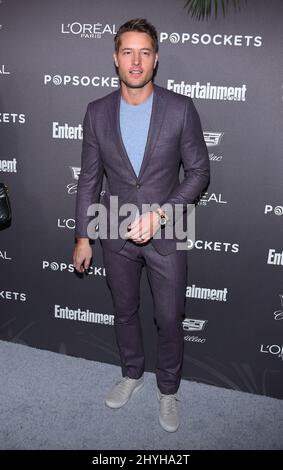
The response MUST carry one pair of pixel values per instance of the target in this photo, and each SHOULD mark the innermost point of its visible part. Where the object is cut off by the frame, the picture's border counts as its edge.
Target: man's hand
(144, 228)
(82, 255)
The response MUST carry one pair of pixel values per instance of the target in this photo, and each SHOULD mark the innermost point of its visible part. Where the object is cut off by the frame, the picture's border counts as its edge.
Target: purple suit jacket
(175, 137)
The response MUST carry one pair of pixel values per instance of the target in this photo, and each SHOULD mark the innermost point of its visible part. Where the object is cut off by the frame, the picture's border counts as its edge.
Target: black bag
(5, 207)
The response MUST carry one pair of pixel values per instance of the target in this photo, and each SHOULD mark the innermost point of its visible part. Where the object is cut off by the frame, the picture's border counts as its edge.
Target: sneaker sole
(167, 428)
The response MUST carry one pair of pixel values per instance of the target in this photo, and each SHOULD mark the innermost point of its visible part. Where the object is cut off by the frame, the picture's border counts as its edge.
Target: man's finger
(134, 233)
(134, 224)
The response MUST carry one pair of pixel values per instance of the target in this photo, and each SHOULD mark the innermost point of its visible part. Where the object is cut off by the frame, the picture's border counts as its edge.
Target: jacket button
(138, 185)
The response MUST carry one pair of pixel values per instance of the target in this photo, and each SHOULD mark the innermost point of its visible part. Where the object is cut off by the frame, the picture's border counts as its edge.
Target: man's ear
(115, 59)
(156, 60)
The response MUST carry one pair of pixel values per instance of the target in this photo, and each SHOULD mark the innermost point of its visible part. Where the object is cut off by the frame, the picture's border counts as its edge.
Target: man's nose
(136, 58)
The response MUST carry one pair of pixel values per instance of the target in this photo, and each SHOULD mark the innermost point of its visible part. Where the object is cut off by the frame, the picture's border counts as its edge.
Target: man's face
(136, 59)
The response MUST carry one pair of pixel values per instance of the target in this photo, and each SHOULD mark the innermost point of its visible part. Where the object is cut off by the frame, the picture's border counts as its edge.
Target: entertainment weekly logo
(66, 132)
(227, 40)
(8, 166)
(275, 258)
(208, 91)
(204, 293)
(88, 30)
(66, 313)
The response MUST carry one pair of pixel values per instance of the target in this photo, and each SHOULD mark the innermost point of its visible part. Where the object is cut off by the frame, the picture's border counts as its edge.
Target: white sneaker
(168, 412)
(120, 394)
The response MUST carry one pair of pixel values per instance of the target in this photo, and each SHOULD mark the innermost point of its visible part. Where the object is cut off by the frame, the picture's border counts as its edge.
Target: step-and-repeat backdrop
(55, 57)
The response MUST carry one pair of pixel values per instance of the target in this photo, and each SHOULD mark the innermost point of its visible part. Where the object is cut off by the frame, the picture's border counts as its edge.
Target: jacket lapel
(114, 116)
(157, 116)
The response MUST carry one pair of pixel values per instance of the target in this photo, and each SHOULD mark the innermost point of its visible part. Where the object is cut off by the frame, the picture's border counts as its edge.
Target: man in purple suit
(137, 137)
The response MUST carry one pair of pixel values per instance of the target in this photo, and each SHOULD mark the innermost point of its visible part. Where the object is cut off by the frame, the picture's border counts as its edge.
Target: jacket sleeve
(195, 161)
(91, 176)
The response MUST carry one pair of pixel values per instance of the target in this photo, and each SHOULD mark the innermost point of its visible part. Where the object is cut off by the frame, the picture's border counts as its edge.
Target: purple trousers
(167, 276)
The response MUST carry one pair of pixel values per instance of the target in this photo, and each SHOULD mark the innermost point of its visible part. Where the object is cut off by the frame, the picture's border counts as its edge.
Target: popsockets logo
(270, 209)
(84, 80)
(10, 295)
(209, 245)
(61, 267)
(57, 80)
(54, 266)
(12, 118)
(206, 39)
(174, 38)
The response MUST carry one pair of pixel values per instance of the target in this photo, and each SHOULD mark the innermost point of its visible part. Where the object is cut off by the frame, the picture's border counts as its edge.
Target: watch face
(163, 221)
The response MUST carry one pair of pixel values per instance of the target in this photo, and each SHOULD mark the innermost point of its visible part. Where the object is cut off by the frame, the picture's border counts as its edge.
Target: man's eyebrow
(131, 48)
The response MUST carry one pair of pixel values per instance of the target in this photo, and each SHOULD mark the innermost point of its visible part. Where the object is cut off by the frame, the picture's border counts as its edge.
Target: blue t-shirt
(134, 124)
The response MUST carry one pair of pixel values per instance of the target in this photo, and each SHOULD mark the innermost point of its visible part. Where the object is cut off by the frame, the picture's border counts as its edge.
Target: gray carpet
(52, 401)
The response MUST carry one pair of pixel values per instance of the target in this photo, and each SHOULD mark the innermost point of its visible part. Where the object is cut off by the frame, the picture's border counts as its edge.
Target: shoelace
(120, 385)
(169, 403)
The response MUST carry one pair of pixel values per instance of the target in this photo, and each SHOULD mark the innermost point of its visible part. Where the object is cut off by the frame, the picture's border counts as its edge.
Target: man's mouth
(135, 72)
